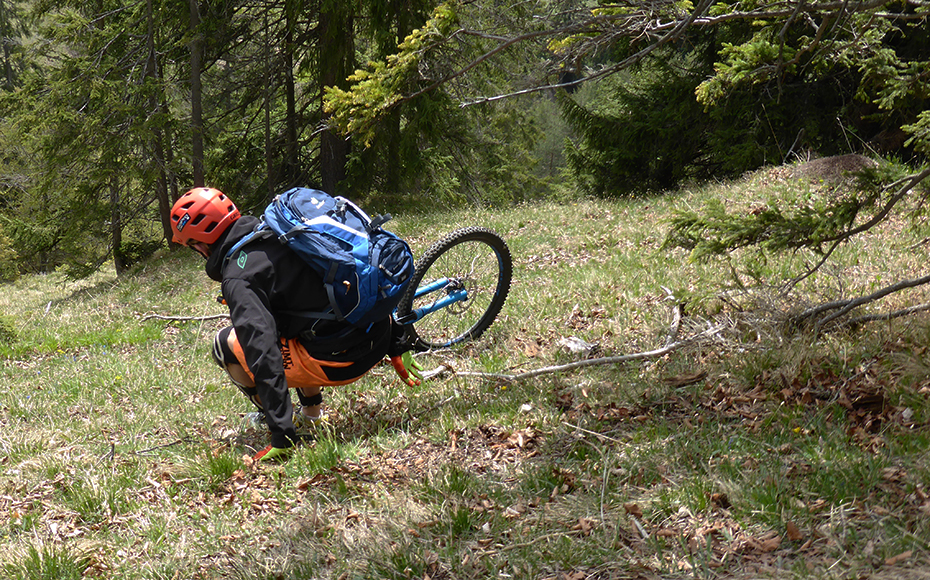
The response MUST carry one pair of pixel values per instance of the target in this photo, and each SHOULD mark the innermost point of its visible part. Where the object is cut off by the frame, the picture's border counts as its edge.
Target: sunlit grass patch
(43, 561)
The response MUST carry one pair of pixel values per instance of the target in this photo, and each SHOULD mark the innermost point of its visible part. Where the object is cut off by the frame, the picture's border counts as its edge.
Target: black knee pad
(223, 355)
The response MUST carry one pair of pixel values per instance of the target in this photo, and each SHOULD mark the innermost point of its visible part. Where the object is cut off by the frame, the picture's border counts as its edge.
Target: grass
(756, 454)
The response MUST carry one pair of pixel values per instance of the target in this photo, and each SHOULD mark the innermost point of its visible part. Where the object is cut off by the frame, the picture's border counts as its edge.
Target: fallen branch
(164, 446)
(426, 412)
(595, 433)
(184, 318)
(676, 324)
(609, 360)
(887, 315)
(844, 306)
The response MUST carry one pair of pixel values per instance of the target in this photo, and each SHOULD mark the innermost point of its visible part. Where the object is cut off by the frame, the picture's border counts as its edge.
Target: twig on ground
(164, 446)
(426, 412)
(676, 324)
(844, 306)
(538, 539)
(109, 454)
(887, 315)
(595, 433)
(590, 362)
(604, 477)
(185, 318)
(443, 368)
(639, 527)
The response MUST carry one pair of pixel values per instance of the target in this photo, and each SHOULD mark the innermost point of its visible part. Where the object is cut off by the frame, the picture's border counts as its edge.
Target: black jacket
(266, 286)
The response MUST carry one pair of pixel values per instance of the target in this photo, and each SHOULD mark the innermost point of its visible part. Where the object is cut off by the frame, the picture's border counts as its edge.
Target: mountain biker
(270, 347)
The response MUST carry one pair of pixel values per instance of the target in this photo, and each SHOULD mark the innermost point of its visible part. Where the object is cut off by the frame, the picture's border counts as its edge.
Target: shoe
(306, 423)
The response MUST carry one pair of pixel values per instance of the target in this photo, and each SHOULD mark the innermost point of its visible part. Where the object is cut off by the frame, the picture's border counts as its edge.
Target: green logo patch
(241, 260)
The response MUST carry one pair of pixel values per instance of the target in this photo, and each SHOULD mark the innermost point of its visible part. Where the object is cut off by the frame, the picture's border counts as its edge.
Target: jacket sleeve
(257, 333)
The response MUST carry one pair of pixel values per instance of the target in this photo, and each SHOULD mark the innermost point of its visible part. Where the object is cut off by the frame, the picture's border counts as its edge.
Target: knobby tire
(479, 257)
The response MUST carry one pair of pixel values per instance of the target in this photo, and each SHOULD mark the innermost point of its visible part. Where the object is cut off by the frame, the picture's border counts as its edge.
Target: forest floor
(742, 448)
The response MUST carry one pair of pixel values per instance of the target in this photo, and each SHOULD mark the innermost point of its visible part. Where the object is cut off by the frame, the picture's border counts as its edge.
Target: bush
(8, 331)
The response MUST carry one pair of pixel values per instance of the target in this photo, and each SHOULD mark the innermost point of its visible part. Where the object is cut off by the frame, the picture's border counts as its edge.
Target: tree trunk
(292, 160)
(392, 179)
(196, 96)
(161, 184)
(116, 228)
(5, 34)
(269, 154)
(336, 42)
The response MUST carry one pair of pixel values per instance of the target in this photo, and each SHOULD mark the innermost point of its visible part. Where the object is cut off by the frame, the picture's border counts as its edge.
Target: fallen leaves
(685, 379)
(720, 500)
(902, 557)
(584, 526)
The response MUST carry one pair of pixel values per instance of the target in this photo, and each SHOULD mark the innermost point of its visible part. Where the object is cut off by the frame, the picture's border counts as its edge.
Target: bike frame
(457, 293)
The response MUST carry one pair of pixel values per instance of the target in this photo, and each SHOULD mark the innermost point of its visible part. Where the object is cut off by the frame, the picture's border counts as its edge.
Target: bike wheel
(474, 258)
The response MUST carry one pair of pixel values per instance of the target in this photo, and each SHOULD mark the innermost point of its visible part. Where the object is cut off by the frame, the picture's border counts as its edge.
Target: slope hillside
(632, 414)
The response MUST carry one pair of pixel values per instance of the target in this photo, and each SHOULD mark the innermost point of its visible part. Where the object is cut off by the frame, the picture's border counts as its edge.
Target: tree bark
(5, 34)
(267, 90)
(337, 47)
(161, 184)
(196, 96)
(116, 228)
(292, 159)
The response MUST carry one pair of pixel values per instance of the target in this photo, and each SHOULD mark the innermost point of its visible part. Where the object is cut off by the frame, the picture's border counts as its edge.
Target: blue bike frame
(452, 296)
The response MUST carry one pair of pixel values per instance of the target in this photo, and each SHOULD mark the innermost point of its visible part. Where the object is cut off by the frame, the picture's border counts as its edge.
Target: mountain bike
(458, 288)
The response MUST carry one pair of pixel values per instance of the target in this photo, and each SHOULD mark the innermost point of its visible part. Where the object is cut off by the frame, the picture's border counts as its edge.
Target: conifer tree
(87, 114)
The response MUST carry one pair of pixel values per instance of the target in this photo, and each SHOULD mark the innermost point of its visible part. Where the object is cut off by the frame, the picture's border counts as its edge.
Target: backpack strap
(380, 220)
(260, 232)
(330, 293)
(310, 314)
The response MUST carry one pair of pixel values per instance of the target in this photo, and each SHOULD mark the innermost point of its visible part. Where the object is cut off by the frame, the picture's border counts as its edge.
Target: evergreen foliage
(85, 115)
(816, 217)
(381, 87)
(716, 231)
(9, 259)
(773, 94)
(644, 131)
(831, 83)
(104, 119)
(412, 140)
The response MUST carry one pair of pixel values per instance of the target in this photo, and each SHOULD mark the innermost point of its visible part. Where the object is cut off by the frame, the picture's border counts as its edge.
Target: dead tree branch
(184, 318)
(609, 360)
(887, 315)
(842, 307)
(909, 182)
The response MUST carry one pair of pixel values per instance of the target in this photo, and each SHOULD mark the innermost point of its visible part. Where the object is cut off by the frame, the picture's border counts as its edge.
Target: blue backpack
(365, 268)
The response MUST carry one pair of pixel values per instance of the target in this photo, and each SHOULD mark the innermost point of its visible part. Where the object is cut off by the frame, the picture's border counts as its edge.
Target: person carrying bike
(270, 347)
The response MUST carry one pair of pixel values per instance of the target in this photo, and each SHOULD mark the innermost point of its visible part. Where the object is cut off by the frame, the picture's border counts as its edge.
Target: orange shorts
(300, 369)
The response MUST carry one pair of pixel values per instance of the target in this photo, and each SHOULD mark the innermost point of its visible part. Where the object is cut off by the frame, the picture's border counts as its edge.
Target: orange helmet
(202, 215)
